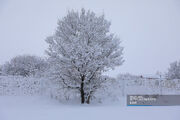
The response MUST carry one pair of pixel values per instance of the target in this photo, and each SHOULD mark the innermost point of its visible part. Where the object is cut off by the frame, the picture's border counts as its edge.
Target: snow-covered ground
(39, 108)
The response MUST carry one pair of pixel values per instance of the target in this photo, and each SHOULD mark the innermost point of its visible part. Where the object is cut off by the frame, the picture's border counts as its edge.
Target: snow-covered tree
(81, 49)
(25, 65)
(174, 70)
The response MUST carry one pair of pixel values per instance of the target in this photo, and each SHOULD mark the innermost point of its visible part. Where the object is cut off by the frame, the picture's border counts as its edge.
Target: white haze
(149, 29)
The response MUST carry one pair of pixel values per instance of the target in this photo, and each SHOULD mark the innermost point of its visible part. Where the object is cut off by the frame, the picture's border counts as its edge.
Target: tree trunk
(82, 91)
(88, 99)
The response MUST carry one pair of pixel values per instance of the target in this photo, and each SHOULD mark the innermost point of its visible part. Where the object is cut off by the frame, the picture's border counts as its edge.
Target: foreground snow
(39, 108)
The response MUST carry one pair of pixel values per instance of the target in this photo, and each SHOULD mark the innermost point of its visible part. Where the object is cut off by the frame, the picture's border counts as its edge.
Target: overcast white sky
(149, 29)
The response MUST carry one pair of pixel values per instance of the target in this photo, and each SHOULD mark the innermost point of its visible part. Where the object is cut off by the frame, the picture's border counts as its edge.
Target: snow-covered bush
(18, 85)
(25, 65)
(131, 84)
(110, 91)
(1, 70)
(58, 91)
(174, 70)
